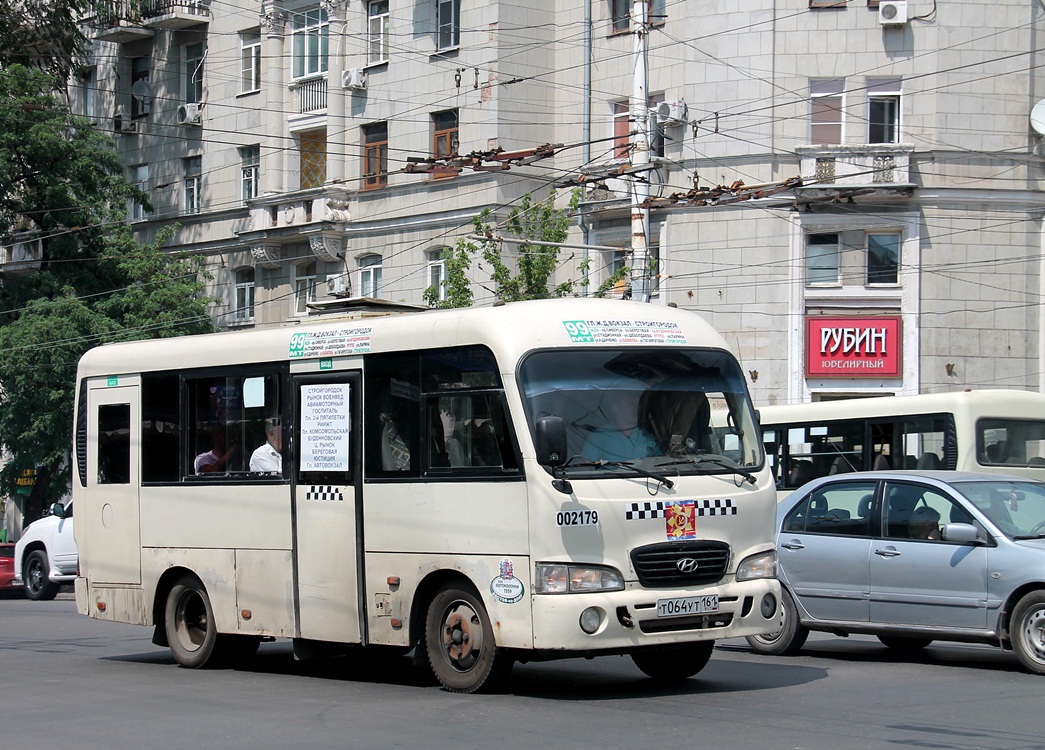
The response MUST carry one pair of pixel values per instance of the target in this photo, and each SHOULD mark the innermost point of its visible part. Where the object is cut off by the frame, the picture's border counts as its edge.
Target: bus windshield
(674, 411)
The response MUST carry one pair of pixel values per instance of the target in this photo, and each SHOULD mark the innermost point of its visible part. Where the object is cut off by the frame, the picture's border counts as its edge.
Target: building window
(370, 276)
(883, 110)
(437, 273)
(89, 98)
(250, 61)
(883, 258)
(620, 14)
(377, 31)
(141, 90)
(244, 296)
(310, 35)
(621, 130)
(444, 139)
(250, 171)
(313, 158)
(304, 287)
(140, 177)
(447, 23)
(192, 72)
(193, 183)
(822, 259)
(375, 155)
(826, 103)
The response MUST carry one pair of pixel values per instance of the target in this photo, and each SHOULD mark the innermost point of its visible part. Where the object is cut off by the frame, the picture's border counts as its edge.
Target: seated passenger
(268, 457)
(217, 457)
(924, 523)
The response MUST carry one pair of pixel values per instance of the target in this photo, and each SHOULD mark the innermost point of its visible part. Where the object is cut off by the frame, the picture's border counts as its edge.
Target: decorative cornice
(273, 22)
(336, 210)
(266, 256)
(335, 8)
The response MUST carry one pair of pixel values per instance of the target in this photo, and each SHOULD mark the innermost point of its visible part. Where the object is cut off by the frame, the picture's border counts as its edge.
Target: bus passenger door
(110, 512)
(328, 533)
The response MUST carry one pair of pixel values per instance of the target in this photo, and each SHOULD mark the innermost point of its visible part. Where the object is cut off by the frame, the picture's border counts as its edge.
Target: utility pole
(639, 114)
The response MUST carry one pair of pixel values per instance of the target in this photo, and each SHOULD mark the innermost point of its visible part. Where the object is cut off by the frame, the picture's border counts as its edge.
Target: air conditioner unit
(672, 112)
(121, 124)
(337, 285)
(353, 78)
(190, 114)
(892, 12)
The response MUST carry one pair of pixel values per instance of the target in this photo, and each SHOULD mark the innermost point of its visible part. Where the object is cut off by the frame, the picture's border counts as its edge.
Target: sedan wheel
(1028, 632)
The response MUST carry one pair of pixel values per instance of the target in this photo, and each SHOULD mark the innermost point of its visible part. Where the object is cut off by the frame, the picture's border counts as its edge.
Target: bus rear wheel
(189, 621)
(460, 643)
(674, 662)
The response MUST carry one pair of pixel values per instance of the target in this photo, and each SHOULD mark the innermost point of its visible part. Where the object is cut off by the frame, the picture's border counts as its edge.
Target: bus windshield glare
(647, 407)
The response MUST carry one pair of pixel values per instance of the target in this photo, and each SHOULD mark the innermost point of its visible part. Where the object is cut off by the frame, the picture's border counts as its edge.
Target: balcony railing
(126, 20)
(878, 165)
(309, 95)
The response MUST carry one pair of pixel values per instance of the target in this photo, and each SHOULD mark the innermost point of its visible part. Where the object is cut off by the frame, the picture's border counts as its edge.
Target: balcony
(22, 256)
(880, 168)
(122, 21)
(309, 95)
(280, 219)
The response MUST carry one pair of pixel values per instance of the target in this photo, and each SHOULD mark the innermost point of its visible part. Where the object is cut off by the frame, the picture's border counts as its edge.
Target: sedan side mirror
(960, 532)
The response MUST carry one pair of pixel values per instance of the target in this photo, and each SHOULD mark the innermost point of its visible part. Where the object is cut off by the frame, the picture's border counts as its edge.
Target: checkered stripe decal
(324, 494)
(716, 508)
(722, 507)
(644, 510)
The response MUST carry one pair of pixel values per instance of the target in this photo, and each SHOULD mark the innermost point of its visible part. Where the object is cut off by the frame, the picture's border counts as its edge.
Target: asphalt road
(70, 682)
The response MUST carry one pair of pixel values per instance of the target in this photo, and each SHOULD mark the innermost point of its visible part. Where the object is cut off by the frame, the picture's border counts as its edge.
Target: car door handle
(793, 545)
(888, 552)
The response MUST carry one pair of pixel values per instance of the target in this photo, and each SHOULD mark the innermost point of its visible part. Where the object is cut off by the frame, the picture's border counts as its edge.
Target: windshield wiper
(602, 462)
(723, 461)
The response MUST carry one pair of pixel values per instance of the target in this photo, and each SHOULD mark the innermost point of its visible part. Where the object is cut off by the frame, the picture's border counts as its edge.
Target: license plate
(687, 605)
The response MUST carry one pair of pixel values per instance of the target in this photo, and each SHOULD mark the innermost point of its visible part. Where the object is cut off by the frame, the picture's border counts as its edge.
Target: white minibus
(529, 481)
(988, 430)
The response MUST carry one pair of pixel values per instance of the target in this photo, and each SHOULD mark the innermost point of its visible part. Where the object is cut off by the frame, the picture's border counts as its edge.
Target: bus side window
(114, 444)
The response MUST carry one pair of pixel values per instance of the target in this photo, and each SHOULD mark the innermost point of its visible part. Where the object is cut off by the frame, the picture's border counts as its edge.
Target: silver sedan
(912, 557)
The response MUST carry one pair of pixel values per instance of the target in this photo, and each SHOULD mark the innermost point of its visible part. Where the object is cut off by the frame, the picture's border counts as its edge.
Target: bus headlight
(560, 578)
(762, 565)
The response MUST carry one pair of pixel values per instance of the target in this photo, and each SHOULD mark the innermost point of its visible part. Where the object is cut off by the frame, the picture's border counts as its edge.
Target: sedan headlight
(560, 578)
(762, 565)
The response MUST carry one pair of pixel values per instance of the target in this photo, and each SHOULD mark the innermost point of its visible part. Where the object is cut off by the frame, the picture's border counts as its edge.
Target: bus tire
(1027, 631)
(674, 663)
(460, 643)
(189, 622)
(35, 572)
(789, 638)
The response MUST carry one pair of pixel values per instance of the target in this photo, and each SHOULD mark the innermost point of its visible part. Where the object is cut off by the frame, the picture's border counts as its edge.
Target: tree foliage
(43, 34)
(528, 271)
(62, 183)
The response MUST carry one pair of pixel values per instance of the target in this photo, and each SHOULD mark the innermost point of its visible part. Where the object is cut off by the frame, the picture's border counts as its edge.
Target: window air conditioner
(892, 12)
(121, 124)
(353, 78)
(190, 114)
(672, 112)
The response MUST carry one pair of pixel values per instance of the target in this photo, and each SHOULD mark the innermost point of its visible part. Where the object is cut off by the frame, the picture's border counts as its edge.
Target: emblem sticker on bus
(506, 587)
(623, 332)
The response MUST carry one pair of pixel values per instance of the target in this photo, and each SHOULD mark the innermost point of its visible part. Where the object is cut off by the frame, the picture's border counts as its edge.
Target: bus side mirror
(550, 438)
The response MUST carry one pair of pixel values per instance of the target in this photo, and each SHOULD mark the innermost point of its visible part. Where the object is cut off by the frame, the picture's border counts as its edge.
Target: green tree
(62, 186)
(44, 34)
(529, 274)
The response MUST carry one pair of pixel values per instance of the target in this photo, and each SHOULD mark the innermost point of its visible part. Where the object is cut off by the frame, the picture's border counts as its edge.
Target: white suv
(45, 556)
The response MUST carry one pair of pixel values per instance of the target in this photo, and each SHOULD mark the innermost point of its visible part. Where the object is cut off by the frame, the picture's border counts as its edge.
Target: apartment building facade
(300, 146)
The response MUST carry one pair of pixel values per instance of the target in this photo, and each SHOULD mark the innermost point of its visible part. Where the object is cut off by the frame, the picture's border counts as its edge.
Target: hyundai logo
(686, 565)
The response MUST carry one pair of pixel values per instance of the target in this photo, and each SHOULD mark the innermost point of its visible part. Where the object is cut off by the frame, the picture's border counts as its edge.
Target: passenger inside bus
(619, 436)
(678, 420)
(218, 456)
(268, 457)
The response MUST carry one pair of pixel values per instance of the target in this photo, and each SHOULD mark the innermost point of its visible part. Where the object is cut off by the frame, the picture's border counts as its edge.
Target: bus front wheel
(189, 621)
(460, 643)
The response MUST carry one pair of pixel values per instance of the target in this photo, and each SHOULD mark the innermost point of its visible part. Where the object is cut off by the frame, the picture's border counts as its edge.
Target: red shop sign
(853, 347)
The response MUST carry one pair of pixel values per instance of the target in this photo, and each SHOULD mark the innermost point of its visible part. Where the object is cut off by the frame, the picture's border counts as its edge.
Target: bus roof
(510, 330)
(1000, 402)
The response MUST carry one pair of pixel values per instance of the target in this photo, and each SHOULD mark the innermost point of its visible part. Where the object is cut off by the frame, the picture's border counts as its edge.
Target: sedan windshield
(1016, 508)
(668, 411)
